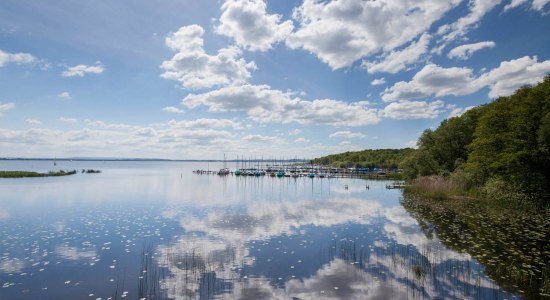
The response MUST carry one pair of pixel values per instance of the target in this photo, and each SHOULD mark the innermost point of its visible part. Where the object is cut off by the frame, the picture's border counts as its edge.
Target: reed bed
(21, 174)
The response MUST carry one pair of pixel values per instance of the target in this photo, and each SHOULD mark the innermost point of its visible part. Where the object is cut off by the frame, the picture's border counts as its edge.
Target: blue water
(155, 230)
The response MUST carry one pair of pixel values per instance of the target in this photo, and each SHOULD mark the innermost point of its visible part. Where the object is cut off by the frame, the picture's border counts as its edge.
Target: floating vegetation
(21, 174)
(91, 171)
(513, 246)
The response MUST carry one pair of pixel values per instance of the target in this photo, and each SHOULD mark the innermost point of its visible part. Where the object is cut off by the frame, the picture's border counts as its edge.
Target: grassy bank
(21, 174)
(495, 192)
(439, 188)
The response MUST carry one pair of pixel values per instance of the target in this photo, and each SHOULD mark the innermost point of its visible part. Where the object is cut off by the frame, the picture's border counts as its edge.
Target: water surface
(155, 230)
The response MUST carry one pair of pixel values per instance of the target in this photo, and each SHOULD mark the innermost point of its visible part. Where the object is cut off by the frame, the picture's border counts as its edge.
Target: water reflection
(341, 249)
(155, 230)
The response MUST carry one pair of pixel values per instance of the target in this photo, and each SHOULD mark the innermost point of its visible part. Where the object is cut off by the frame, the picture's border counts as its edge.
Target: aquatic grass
(21, 174)
(512, 245)
(438, 187)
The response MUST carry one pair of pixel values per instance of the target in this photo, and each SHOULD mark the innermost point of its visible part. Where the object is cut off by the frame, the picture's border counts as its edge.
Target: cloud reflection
(401, 263)
(73, 253)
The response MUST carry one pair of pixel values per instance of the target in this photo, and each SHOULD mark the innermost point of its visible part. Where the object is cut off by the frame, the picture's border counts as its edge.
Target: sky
(191, 79)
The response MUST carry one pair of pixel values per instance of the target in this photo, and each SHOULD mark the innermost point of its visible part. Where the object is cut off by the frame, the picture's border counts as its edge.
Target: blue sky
(200, 79)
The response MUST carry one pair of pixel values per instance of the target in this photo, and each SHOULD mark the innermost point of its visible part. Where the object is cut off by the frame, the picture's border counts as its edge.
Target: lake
(156, 230)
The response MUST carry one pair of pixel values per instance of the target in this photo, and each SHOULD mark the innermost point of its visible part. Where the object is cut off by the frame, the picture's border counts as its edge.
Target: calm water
(155, 230)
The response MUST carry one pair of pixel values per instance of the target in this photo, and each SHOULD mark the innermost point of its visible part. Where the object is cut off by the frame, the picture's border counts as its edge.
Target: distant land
(146, 159)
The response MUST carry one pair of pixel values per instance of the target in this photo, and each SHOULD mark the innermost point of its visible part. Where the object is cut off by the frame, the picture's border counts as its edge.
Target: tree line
(378, 158)
(500, 149)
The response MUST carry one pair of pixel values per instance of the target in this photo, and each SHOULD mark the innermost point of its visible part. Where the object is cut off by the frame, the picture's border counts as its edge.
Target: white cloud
(458, 111)
(5, 107)
(539, 4)
(65, 96)
(466, 51)
(341, 32)
(67, 120)
(173, 109)
(301, 140)
(347, 135)
(478, 9)
(197, 138)
(17, 58)
(403, 110)
(266, 105)
(397, 61)
(146, 132)
(378, 81)
(295, 131)
(206, 123)
(258, 138)
(102, 124)
(512, 74)
(195, 69)
(535, 4)
(248, 23)
(33, 121)
(411, 144)
(433, 80)
(81, 70)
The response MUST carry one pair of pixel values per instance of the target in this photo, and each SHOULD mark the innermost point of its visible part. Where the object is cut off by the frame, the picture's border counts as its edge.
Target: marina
(296, 170)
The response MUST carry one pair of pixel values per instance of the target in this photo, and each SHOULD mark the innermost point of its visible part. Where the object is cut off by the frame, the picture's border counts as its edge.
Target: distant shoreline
(151, 159)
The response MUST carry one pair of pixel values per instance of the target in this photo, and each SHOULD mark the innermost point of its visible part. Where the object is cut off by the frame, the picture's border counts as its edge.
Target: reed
(21, 174)
(438, 187)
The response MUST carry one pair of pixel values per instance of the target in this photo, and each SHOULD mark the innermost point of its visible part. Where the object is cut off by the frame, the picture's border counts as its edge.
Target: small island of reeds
(20, 174)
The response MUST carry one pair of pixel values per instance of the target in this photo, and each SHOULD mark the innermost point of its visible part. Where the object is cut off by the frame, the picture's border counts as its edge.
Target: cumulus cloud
(81, 70)
(433, 80)
(5, 107)
(33, 121)
(378, 81)
(512, 74)
(477, 10)
(466, 51)
(347, 135)
(301, 140)
(103, 124)
(16, 58)
(65, 96)
(403, 110)
(67, 120)
(248, 23)
(294, 131)
(341, 32)
(258, 138)
(535, 4)
(206, 123)
(102, 138)
(458, 111)
(266, 105)
(195, 69)
(398, 60)
(172, 109)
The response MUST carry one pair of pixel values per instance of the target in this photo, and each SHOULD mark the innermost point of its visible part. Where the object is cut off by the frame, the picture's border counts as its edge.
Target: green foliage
(380, 158)
(21, 174)
(502, 147)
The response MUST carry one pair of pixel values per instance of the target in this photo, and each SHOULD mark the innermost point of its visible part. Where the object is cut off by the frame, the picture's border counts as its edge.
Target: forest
(378, 158)
(499, 151)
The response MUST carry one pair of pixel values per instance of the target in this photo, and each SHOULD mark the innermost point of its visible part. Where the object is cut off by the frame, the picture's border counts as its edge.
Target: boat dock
(298, 170)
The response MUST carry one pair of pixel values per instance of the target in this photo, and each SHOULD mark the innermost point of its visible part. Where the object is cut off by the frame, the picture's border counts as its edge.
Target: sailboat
(224, 170)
